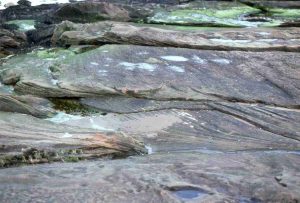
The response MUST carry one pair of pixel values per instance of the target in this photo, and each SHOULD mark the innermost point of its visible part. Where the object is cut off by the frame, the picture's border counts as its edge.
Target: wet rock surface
(43, 141)
(150, 112)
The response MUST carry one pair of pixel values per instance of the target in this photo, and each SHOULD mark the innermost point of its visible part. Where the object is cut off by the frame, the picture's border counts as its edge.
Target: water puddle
(248, 200)
(23, 25)
(62, 117)
(189, 193)
(6, 89)
(149, 149)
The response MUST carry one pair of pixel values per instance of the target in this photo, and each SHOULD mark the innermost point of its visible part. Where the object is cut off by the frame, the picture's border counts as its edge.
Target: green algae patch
(35, 156)
(272, 23)
(228, 17)
(53, 53)
(23, 25)
(285, 13)
(234, 12)
(72, 106)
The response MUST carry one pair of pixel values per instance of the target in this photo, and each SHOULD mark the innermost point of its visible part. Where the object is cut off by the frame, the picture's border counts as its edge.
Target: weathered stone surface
(207, 126)
(172, 177)
(11, 41)
(95, 11)
(121, 104)
(27, 104)
(28, 140)
(164, 74)
(68, 33)
(34, 66)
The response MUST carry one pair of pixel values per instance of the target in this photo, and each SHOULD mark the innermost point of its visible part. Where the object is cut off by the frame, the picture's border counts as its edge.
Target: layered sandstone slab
(28, 140)
(256, 39)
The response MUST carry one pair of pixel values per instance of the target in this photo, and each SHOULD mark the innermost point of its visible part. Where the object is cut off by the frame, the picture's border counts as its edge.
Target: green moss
(273, 23)
(34, 156)
(285, 13)
(233, 12)
(72, 106)
(54, 53)
(71, 159)
(228, 17)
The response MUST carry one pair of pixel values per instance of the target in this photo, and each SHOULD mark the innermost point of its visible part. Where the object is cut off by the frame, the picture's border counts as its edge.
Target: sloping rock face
(216, 110)
(27, 104)
(43, 142)
(178, 177)
(68, 33)
(35, 64)
(183, 99)
(221, 126)
(164, 73)
(167, 74)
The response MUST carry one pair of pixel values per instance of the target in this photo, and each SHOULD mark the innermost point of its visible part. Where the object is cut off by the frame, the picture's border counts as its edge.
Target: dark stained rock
(24, 12)
(167, 177)
(259, 39)
(24, 3)
(28, 140)
(272, 4)
(35, 106)
(11, 42)
(92, 11)
(143, 2)
(41, 35)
